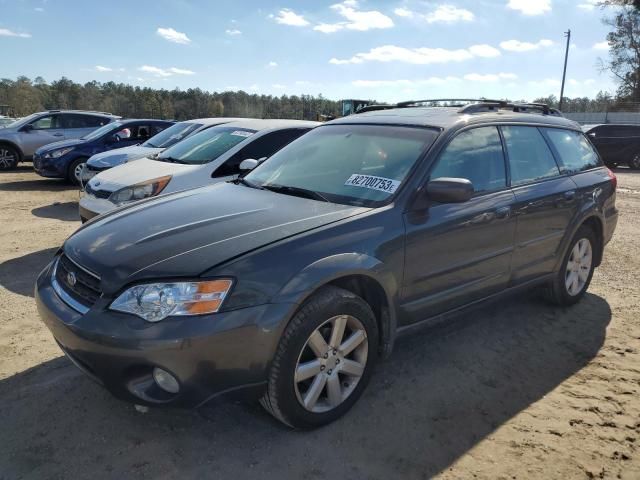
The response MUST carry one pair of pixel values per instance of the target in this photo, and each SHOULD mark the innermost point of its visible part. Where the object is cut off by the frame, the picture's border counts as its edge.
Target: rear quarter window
(573, 150)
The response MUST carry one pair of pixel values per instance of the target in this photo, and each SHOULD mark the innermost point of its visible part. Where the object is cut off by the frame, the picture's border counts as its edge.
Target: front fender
(332, 268)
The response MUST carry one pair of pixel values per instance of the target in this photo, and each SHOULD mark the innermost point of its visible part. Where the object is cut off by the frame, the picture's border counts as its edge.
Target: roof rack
(471, 105)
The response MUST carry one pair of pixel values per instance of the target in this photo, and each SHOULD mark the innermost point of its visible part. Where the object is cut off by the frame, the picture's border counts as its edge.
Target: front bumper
(91, 206)
(209, 355)
(50, 167)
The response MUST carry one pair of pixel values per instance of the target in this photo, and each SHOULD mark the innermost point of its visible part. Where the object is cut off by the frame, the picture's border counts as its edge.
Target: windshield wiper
(246, 182)
(296, 191)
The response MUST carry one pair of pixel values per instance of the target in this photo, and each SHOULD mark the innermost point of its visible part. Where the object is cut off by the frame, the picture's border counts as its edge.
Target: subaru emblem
(71, 279)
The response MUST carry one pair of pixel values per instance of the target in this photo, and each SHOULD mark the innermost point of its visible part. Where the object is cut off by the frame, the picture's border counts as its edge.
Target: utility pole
(564, 72)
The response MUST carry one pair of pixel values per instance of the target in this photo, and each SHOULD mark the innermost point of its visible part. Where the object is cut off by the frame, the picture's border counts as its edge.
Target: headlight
(150, 188)
(156, 301)
(58, 153)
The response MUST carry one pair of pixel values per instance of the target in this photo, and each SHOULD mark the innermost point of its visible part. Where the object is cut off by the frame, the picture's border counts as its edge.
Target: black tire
(634, 163)
(558, 292)
(281, 399)
(9, 157)
(71, 176)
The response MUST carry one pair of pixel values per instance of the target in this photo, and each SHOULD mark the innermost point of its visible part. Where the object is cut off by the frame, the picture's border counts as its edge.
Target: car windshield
(24, 120)
(113, 126)
(172, 135)
(350, 164)
(206, 146)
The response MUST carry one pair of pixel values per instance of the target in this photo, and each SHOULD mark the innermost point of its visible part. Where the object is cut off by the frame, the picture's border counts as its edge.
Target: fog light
(165, 380)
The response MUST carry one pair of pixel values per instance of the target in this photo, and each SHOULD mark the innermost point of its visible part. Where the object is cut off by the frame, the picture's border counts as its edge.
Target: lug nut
(326, 355)
(321, 367)
(337, 361)
(329, 372)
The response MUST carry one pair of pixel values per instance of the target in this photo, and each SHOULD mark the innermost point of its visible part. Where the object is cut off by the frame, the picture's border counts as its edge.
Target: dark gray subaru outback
(290, 283)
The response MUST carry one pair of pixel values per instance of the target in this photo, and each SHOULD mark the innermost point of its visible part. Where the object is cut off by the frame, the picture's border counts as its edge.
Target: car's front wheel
(74, 172)
(8, 157)
(324, 360)
(574, 277)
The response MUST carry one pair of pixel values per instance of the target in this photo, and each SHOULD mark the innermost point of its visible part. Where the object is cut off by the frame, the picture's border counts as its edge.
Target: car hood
(113, 158)
(136, 172)
(187, 233)
(61, 144)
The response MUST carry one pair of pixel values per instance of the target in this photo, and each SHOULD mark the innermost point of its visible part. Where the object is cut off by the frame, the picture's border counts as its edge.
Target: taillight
(613, 178)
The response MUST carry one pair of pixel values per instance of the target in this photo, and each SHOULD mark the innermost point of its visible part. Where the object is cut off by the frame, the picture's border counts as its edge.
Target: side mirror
(249, 164)
(113, 138)
(449, 190)
(27, 128)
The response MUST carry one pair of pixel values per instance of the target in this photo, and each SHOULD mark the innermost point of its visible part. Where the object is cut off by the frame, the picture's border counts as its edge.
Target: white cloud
(403, 12)
(601, 46)
(490, 77)
(518, 46)
(530, 7)
(484, 50)
(5, 32)
(39, 9)
(329, 27)
(100, 68)
(233, 32)
(278, 86)
(449, 14)
(589, 4)
(362, 20)
(418, 56)
(173, 36)
(161, 72)
(359, 20)
(272, 64)
(289, 17)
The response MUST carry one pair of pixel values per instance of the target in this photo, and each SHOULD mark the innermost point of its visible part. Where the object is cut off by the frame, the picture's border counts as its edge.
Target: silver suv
(21, 138)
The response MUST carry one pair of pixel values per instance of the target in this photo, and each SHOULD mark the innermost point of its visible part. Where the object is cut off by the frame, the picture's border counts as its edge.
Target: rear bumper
(210, 355)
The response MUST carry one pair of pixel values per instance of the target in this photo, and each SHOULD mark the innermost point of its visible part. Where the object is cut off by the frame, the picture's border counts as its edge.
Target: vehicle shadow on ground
(21, 168)
(43, 185)
(67, 211)
(19, 275)
(440, 393)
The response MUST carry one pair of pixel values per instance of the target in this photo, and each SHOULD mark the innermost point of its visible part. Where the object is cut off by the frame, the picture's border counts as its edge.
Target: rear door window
(72, 120)
(477, 156)
(530, 158)
(572, 149)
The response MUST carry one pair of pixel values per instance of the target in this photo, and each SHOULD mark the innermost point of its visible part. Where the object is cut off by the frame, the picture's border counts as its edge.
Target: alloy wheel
(578, 266)
(77, 172)
(331, 363)
(7, 158)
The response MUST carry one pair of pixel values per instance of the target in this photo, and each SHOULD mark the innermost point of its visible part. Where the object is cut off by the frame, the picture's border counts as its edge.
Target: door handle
(58, 135)
(570, 195)
(503, 212)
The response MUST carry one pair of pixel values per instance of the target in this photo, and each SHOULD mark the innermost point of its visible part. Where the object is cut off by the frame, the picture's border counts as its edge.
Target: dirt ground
(517, 390)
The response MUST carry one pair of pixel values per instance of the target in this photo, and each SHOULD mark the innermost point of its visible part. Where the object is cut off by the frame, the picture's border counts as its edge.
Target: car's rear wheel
(324, 360)
(574, 277)
(8, 157)
(74, 172)
(635, 162)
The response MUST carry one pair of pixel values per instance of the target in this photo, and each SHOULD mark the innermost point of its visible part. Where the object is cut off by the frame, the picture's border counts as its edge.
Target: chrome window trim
(64, 296)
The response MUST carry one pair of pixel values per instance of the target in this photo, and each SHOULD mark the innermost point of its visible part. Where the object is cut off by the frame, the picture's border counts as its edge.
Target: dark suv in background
(617, 144)
(290, 282)
(19, 140)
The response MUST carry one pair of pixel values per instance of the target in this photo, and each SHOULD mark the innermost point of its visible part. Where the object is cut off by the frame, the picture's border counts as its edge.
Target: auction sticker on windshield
(374, 183)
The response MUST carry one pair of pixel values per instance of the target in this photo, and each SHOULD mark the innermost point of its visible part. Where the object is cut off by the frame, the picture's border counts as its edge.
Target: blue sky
(387, 50)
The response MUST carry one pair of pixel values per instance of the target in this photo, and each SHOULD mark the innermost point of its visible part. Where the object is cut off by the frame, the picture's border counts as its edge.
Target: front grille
(86, 287)
(97, 193)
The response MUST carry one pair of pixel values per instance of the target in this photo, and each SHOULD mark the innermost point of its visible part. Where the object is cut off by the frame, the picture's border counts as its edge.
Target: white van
(211, 156)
